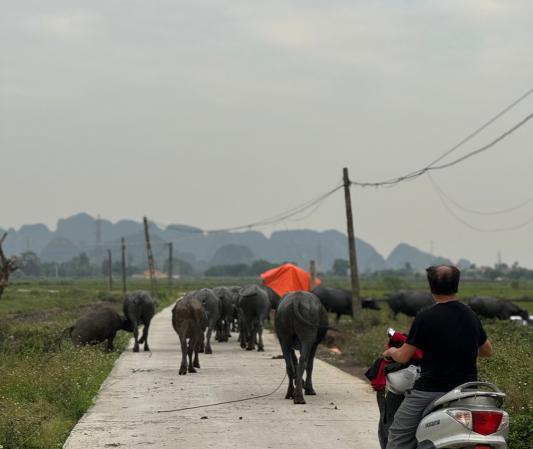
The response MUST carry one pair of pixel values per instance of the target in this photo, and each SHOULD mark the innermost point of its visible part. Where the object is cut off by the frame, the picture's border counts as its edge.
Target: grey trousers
(402, 433)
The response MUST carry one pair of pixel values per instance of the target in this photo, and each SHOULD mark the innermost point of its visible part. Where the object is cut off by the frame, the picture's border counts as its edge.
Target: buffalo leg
(183, 342)
(338, 318)
(110, 342)
(208, 349)
(308, 386)
(251, 338)
(136, 336)
(260, 347)
(197, 349)
(288, 355)
(305, 350)
(144, 338)
(191, 350)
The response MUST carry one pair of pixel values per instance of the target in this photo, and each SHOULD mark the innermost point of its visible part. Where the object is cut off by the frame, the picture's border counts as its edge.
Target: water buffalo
(253, 308)
(226, 313)
(139, 309)
(273, 297)
(409, 302)
(497, 308)
(234, 290)
(96, 327)
(301, 324)
(213, 308)
(189, 321)
(339, 301)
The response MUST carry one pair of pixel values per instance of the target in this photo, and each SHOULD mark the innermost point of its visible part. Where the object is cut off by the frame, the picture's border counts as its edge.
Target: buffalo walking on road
(301, 324)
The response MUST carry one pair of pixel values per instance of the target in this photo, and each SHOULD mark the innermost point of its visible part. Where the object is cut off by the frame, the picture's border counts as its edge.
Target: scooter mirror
(390, 332)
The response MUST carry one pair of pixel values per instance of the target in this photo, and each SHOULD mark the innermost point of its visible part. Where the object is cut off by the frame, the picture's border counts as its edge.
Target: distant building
(158, 274)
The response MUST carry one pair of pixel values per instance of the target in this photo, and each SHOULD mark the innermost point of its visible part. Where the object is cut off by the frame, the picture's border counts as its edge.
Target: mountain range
(79, 234)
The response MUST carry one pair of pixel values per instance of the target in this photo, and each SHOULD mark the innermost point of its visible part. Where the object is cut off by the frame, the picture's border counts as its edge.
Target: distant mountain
(78, 233)
(403, 254)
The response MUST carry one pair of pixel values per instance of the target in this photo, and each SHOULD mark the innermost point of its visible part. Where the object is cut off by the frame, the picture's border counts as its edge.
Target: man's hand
(402, 355)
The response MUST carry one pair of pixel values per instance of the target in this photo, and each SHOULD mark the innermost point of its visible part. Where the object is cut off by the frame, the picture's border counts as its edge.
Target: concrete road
(344, 413)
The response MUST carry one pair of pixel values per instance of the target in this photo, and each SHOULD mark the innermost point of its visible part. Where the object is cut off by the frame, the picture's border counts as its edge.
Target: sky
(218, 114)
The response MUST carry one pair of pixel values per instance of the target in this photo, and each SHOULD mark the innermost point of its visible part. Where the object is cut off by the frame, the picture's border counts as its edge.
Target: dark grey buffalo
(234, 290)
(409, 302)
(301, 324)
(213, 308)
(139, 309)
(273, 297)
(96, 327)
(339, 301)
(253, 308)
(189, 321)
(497, 308)
(226, 313)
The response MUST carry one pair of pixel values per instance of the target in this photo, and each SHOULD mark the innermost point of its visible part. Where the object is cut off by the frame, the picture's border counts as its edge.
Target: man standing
(451, 338)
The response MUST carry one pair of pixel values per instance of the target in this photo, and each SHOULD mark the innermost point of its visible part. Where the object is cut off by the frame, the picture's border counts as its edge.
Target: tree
(30, 264)
(7, 267)
(340, 267)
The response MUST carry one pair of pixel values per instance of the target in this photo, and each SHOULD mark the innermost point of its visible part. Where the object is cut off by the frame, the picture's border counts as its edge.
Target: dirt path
(344, 413)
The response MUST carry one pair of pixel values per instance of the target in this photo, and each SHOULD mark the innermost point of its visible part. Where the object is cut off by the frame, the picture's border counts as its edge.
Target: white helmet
(403, 379)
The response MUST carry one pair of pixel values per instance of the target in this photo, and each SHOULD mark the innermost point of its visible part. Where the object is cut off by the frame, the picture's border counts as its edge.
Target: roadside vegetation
(45, 391)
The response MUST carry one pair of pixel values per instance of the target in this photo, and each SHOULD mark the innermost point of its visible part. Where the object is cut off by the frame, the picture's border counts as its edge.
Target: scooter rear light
(505, 421)
(486, 423)
(463, 417)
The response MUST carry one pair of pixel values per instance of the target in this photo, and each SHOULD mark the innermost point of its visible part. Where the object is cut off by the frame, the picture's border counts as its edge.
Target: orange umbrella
(288, 278)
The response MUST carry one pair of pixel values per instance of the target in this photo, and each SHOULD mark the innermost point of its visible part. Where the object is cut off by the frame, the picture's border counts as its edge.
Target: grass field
(44, 391)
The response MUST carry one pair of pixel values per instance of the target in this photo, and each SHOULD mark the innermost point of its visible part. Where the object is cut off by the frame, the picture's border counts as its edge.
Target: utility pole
(123, 245)
(110, 269)
(356, 299)
(150, 259)
(312, 272)
(169, 269)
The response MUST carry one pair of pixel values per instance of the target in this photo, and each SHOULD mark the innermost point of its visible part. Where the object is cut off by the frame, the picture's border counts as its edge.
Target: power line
(394, 181)
(475, 228)
(265, 222)
(510, 209)
(477, 131)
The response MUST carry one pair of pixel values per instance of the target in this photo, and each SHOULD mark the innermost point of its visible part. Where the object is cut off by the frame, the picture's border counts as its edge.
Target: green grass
(44, 392)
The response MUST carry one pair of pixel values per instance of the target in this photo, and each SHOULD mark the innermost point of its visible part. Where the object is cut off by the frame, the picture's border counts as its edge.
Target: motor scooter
(468, 417)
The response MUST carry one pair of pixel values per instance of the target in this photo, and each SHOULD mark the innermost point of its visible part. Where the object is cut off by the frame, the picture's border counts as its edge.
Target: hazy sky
(217, 114)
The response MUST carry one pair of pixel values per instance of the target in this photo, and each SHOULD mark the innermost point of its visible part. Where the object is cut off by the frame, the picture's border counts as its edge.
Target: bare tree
(6, 268)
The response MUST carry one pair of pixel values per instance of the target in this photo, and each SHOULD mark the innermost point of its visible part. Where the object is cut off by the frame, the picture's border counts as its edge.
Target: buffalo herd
(301, 322)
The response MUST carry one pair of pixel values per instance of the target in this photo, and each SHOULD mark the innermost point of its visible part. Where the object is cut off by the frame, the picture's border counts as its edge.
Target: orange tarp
(288, 278)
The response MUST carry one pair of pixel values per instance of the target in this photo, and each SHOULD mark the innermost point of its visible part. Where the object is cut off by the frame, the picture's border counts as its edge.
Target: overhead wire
(393, 181)
(265, 222)
(475, 228)
(472, 211)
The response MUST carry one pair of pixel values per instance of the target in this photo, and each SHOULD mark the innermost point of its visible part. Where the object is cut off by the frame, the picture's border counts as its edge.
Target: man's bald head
(443, 279)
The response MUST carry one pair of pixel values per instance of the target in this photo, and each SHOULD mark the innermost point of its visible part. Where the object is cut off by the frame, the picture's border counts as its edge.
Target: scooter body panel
(445, 432)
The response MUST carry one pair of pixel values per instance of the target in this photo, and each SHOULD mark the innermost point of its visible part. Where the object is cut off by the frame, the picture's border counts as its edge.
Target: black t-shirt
(449, 335)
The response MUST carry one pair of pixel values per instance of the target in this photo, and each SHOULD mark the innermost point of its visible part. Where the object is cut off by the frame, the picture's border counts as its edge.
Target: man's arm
(403, 354)
(485, 350)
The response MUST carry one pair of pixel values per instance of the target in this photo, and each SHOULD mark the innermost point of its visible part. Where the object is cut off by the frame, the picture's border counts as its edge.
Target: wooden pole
(312, 272)
(170, 269)
(123, 265)
(150, 259)
(110, 269)
(356, 299)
